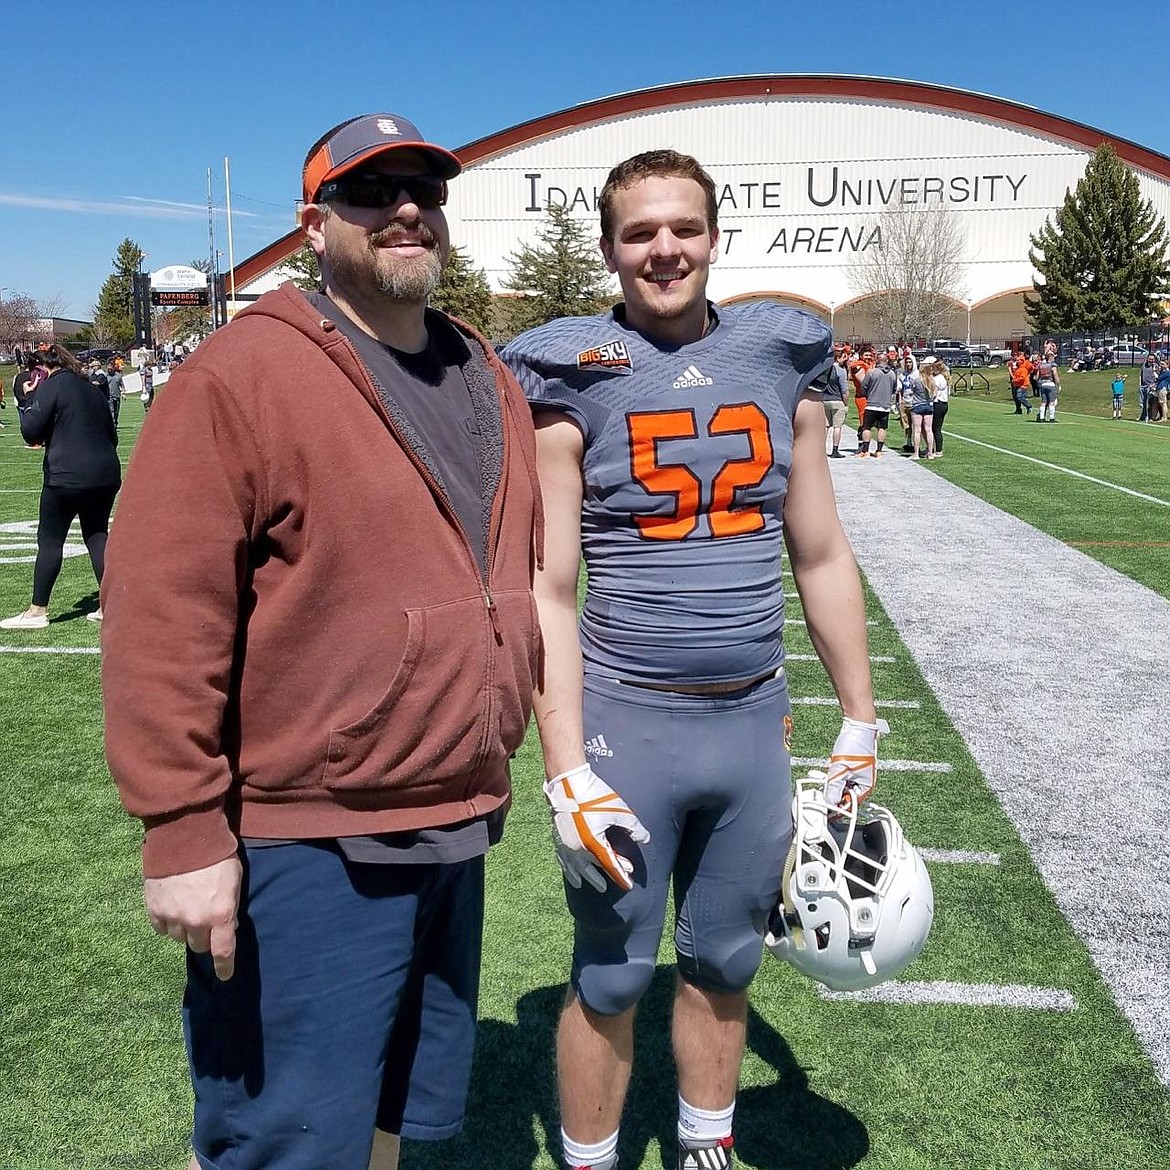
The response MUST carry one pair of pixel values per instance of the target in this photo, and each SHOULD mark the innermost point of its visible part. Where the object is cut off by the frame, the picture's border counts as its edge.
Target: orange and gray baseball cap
(361, 139)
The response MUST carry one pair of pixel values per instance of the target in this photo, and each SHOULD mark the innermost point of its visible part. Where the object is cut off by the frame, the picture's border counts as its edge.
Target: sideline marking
(1066, 470)
(821, 701)
(802, 622)
(50, 650)
(1118, 543)
(958, 857)
(1004, 995)
(883, 765)
(814, 658)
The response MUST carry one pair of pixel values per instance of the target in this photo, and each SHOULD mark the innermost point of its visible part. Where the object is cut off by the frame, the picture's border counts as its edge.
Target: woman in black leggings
(71, 417)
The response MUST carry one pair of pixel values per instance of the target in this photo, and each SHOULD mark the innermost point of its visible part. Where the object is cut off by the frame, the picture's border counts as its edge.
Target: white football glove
(584, 809)
(853, 764)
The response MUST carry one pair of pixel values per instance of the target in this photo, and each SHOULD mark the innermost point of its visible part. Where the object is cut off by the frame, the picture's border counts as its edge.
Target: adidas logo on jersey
(692, 376)
(597, 747)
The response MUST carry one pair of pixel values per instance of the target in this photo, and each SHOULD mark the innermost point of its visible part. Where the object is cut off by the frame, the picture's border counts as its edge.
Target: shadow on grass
(80, 608)
(779, 1126)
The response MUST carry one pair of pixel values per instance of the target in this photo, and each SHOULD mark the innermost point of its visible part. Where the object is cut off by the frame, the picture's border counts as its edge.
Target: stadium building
(806, 167)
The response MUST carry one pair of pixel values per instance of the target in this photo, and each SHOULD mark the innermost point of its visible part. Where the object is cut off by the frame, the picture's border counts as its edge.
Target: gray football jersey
(687, 455)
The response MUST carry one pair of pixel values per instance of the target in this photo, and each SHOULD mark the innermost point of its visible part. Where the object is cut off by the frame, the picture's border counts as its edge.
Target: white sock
(700, 1127)
(602, 1156)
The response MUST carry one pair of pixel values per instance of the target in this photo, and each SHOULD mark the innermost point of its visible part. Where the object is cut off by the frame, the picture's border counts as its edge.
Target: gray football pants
(709, 777)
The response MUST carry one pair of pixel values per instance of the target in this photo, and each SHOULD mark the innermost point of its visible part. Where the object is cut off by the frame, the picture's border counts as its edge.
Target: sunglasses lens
(384, 190)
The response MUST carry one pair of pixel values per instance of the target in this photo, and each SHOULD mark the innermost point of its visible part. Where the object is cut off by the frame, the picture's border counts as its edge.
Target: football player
(680, 446)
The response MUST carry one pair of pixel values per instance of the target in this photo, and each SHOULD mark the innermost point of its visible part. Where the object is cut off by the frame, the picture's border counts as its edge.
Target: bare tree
(18, 317)
(916, 275)
(53, 306)
(101, 335)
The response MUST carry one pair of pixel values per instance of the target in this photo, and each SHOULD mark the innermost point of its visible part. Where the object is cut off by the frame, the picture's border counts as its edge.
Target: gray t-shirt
(880, 384)
(431, 392)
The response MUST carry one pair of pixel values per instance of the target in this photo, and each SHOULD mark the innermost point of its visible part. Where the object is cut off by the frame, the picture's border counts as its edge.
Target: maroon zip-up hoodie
(298, 641)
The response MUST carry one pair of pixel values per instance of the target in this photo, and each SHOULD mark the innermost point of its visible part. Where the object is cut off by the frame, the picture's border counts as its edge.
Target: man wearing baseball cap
(344, 598)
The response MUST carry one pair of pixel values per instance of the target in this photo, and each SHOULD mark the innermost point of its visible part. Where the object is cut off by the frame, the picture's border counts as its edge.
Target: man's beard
(377, 270)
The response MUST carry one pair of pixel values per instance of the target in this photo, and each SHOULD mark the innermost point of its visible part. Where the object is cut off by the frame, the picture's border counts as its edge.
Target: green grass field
(92, 1069)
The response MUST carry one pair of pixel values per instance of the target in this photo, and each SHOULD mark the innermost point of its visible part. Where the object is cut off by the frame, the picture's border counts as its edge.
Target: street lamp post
(833, 317)
(969, 304)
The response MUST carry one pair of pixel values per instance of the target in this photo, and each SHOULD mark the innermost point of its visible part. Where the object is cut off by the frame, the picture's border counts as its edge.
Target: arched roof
(877, 89)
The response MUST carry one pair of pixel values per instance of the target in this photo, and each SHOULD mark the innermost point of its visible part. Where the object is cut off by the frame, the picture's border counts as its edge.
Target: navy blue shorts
(709, 777)
(352, 1005)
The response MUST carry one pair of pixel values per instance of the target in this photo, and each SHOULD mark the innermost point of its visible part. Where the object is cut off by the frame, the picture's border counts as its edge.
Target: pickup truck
(954, 353)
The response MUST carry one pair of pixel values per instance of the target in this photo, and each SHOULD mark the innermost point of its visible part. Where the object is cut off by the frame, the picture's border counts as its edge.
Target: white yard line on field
(823, 701)
(1044, 660)
(958, 857)
(1007, 995)
(814, 658)
(883, 765)
(1056, 467)
(800, 621)
(50, 650)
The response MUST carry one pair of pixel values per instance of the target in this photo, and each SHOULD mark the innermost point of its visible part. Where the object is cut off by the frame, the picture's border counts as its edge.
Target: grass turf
(93, 1067)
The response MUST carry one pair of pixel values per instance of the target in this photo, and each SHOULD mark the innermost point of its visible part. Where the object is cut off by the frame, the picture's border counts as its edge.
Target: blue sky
(125, 105)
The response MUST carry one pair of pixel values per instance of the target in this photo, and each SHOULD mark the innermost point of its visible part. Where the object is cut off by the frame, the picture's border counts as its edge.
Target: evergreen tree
(114, 311)
(302, 268)
(1104, 255)
(464, 292)
(562, 276)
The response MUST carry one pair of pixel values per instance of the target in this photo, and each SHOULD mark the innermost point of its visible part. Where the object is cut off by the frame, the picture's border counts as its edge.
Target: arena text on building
(805, 167)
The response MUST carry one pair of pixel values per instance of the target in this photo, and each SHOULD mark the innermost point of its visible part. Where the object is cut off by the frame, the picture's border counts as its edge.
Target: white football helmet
(856, 902)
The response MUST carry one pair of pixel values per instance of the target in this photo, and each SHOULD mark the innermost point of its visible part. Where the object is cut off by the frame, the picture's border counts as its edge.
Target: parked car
(1128, 353)
(6, 358)
(89, 355)
(954, 353)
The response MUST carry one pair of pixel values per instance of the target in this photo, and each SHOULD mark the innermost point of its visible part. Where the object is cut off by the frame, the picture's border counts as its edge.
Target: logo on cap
(388, 126)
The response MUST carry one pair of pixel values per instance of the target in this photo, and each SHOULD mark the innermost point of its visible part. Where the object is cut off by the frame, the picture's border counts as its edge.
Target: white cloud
(134, 205)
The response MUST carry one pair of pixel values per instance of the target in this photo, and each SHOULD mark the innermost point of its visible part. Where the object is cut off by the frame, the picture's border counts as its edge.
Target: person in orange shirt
(1020, 370)
(858, 368)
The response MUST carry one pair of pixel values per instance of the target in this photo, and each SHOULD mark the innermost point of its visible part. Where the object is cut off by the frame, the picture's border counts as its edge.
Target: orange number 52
(678, 480)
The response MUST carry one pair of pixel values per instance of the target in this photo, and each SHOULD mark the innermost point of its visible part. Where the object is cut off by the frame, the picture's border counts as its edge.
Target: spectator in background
(1118, 388)
(1147, 388)
(1162, 393)
(835, 397)
(858, 368)
(147, 394)
(908, 375)
(1048, 379)
(938, 378)
(1020, 371)
(98, 377)
(921, 416)
(879, 386)
(70, 416)
(115, 386)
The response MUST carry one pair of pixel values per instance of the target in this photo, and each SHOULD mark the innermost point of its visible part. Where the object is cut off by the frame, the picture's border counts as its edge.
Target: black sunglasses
(378, 190)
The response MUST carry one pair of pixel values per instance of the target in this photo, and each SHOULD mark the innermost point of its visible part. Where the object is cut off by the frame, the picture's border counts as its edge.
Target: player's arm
(584, 807)
(557, 701)
(824, 568)
(834, 608)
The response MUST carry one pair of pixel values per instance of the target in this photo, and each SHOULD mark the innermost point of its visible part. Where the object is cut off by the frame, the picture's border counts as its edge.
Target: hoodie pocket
(428, 726)
(517, 661)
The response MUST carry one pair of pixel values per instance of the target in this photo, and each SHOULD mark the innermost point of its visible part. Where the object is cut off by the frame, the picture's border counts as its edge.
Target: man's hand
(198, 909)
(584, 809)
(853, 764)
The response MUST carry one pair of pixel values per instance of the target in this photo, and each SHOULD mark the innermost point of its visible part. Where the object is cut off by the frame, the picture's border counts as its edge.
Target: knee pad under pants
(709, 777)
